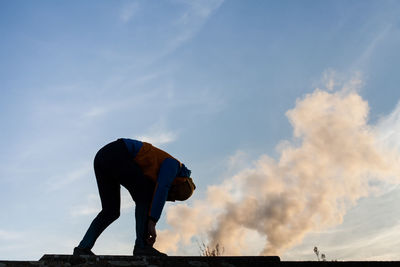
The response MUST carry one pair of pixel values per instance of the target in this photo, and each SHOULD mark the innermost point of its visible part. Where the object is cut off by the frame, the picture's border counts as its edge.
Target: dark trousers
(114, 166)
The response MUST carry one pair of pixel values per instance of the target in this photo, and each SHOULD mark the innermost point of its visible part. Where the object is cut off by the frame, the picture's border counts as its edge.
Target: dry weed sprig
(207, 251)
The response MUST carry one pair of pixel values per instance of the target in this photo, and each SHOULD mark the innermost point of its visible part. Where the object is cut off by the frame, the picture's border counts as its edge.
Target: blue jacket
(159, 166)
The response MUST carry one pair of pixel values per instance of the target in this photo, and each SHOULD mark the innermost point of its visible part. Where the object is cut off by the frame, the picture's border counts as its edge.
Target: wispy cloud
(158, 138)
(96, 112)
(158, 135)
(388, 128)
(332, 80)
(371, 48)
(199, 8)
(92, 205)
(139, 84)
(10, 235)
(176, 30)
(192, 20)
(128, 11)
(61, 181)
(380, 245)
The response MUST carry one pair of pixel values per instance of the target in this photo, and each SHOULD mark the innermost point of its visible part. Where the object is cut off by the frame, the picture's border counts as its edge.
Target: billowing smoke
(334, 159)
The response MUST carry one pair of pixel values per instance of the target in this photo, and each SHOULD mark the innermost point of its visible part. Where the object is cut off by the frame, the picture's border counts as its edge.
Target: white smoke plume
(334, 159)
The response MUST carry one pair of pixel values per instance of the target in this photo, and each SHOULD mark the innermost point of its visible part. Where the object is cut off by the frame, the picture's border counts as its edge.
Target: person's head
(181, 189)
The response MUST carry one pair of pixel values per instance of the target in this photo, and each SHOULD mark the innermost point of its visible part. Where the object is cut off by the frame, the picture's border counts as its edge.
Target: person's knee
(112, 215)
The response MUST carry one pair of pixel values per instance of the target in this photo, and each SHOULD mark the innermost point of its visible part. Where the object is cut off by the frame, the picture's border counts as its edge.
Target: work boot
(83, 252)
(147, 251)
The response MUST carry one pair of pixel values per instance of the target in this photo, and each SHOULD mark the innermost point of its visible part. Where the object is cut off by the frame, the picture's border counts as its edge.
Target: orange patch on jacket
(150, 158)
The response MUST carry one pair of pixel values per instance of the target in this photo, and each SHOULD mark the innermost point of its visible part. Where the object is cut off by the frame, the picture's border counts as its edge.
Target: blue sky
(204, 80)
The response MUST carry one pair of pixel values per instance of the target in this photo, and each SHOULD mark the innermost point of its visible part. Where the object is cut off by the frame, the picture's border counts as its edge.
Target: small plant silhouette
(207, 251)
(317, 252)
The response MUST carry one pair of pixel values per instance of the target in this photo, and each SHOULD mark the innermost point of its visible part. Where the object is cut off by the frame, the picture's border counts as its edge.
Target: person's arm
(168, 171)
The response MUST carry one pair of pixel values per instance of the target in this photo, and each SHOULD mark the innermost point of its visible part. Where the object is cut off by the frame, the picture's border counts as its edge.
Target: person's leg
(109, 190)
(110, 212)
(141, 190)
(143, 198)
(141, 218)
(142, 248)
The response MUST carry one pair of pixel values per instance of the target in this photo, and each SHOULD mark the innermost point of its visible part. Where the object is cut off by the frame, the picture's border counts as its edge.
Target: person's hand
(151, 239)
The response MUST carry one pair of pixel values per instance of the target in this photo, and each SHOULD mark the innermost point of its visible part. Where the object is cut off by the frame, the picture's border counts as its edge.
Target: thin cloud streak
(129, 11)
(93, 205)
(159, 138)
(191, 21)
(61, 181)
(6, 235)
(158, 135)
(370, 49)
(388, 128)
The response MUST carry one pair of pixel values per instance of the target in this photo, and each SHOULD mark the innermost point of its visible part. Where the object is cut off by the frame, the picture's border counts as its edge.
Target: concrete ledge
(180, 261)
(173, 261)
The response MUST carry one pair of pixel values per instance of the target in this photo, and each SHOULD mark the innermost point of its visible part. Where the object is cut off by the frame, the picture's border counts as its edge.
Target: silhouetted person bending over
(151, 176)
